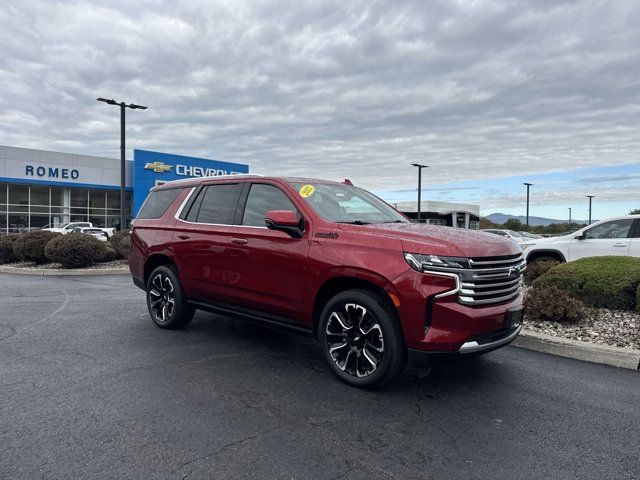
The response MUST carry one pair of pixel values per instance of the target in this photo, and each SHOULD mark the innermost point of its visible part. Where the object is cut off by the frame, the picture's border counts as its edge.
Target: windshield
(347, 204)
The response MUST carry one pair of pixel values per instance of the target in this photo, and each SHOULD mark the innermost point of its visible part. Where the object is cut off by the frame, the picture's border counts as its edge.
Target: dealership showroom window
(25, 207)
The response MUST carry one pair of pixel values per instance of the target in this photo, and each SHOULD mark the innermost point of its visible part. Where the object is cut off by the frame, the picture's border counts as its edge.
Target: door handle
(620, 244)
(184, 236)
(239, 241)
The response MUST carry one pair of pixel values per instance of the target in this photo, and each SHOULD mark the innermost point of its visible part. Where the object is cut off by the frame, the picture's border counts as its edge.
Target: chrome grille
(491, 280)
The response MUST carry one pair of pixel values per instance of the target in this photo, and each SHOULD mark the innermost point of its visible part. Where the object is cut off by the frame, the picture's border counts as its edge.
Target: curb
(588, 352)
(61, 272)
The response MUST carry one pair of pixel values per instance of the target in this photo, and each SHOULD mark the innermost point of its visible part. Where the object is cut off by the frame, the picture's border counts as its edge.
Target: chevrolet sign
(158, 167)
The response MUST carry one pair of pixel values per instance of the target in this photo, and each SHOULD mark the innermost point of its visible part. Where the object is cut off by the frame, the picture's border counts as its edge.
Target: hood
(542, 241)
(437, 240)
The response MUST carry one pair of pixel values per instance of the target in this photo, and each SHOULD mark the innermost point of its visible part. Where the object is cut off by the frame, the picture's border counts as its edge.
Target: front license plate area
(513, 318)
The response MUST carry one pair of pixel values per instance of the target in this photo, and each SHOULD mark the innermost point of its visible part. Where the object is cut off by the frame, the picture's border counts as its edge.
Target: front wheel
(361, 339)
(166, 301)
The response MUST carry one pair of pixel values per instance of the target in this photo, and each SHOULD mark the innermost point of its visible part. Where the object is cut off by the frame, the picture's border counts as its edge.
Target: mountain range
(533, 221)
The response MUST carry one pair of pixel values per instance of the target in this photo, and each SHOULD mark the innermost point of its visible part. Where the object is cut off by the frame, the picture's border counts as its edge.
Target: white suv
(613, 236)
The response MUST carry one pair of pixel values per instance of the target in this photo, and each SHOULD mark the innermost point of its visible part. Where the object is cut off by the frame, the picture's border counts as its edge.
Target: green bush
(29, 247)
(76, 250)
(537, 269)
(109, 254)
(607, 282)
(553, 304)
(121, 241)
(6, 248)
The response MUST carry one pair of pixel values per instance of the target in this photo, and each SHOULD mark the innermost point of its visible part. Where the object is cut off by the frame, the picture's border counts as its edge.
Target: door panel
(607, 238)
(201, 238)
(266, 268)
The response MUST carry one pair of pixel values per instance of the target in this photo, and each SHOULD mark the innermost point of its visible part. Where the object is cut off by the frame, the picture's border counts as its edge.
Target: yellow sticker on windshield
(307, 191)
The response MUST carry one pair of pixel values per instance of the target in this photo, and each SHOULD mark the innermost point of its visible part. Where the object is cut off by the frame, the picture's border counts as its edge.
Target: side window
(613, 229)
(157, 203)
(261, 199)
(219, 202)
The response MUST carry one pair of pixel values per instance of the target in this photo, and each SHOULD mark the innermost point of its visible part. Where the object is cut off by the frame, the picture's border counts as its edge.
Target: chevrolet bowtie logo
(158, 167)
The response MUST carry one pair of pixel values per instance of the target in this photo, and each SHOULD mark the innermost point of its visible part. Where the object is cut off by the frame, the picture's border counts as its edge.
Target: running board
(256, 318)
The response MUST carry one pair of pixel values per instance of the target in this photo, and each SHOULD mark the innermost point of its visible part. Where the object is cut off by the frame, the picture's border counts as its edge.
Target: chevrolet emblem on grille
(158, 167)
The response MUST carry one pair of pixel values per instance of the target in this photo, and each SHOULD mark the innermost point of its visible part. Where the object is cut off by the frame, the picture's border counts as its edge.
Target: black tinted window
(157, 203)
(219, 203)
(261, 199)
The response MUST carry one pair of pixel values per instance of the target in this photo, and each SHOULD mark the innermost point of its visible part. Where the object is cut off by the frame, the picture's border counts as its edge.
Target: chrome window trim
(184, 203)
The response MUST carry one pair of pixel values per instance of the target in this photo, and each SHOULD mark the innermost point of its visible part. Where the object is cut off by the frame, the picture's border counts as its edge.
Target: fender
(343, 272)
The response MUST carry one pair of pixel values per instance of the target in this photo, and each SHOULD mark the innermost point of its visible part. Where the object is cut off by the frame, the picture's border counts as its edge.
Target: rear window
(157, 203)
(219, 202)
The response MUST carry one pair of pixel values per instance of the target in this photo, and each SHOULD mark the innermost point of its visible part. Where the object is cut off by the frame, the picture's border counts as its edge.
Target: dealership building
(40, 187)
(450, 214)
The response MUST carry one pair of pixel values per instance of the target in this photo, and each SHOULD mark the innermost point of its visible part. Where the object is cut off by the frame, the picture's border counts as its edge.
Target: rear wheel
(361, 339)
(166, 301)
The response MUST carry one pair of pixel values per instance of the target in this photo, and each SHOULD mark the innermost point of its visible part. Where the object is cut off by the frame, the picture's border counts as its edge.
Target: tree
(635, 211)
(513, 224)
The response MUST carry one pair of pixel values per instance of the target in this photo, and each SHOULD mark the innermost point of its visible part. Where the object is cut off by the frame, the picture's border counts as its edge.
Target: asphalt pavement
(90, 388)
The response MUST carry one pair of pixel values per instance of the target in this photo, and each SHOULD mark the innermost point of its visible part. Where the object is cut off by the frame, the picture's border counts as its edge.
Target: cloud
(332, 89)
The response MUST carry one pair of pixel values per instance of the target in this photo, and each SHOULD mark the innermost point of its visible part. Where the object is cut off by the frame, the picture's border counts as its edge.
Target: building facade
(460, 215)
(40, 187)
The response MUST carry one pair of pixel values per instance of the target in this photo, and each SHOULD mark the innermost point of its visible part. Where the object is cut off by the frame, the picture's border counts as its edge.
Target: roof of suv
(192, 182)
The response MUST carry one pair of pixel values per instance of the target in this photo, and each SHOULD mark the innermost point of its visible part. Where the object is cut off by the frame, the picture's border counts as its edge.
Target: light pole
(122, 106)
(528, 185)
(590, 197)
(569, 215)
(420, 167)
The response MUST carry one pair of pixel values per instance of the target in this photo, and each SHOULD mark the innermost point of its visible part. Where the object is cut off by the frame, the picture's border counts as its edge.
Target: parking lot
(89, 388)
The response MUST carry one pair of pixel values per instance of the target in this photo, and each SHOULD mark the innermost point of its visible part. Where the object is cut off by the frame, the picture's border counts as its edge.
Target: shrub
(76, 250)
(121, 241)
(29, 247)
(608, 282)
(553, 304)
(109, 254)
(537, 269)
(6, 248)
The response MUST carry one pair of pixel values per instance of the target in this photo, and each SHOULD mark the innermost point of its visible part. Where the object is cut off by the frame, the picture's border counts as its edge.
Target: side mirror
(285, 221)
(582, 236)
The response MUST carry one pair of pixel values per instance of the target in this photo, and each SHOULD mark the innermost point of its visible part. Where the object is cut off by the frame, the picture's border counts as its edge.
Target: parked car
(69, 227)
(512, 234)
(530, 235)
(95, 232)
(329, 259)
(613, 236)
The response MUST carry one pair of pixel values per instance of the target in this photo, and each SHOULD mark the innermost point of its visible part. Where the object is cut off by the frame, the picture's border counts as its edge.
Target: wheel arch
(335, 285)
(532, 256)
(154, 261)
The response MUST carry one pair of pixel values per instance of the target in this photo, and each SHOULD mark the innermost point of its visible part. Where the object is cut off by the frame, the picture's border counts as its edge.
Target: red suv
(327, 258)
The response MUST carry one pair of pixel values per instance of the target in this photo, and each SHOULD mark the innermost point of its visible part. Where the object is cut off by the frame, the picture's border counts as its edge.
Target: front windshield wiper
(356, 222)
(395, 221)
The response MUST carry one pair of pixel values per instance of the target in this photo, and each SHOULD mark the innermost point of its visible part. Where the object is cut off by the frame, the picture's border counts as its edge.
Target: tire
(545, 258)
(372, 350)
(166, 302)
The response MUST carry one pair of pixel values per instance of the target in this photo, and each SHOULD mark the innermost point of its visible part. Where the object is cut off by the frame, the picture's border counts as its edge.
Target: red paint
(269, 271)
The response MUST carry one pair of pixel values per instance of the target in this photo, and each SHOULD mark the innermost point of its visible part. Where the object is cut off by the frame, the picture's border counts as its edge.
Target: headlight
(422, 262)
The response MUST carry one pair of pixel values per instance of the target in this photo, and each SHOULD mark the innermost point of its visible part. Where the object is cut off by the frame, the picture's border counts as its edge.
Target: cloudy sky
(489, 94)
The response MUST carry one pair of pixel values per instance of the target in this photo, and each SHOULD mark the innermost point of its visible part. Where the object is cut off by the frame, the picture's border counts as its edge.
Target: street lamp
(420, 167)
(569, 215)
(528, 185)
(122, 106)
(590, 197)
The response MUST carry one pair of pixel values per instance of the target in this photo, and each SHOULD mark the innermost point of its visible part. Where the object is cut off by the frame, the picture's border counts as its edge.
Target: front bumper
(478, 345)
(434, 323)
